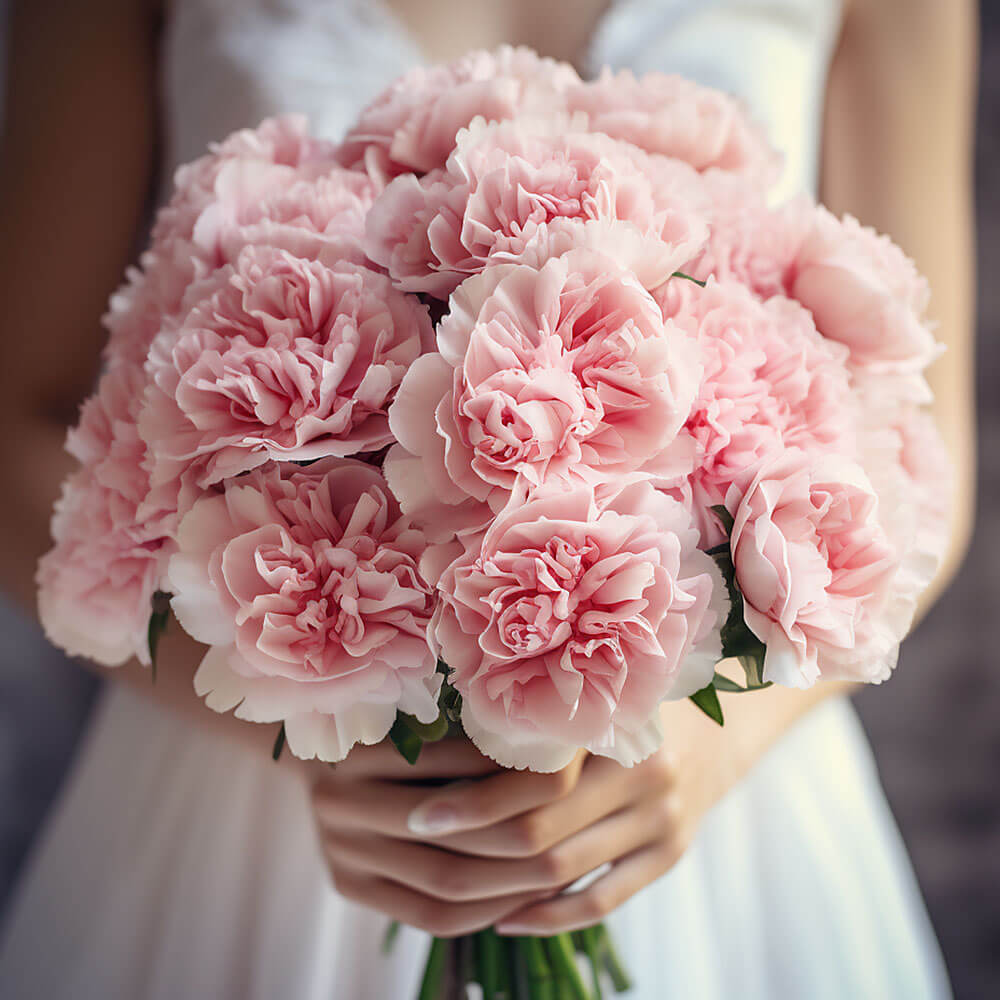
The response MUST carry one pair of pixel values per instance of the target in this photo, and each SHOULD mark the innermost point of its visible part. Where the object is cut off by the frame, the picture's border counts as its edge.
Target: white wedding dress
(175, 868)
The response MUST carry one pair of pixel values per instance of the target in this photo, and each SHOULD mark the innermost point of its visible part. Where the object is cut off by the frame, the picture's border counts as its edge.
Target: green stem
(464, 948)
(564, 989)
(520, 984)
(540, 982)
(562, 955)
(391, 933)
(612, 962)
(488, 947)
(430, 986)
(592, 946)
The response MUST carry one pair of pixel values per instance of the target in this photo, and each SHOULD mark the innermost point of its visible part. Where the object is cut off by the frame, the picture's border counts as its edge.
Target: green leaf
(722, 683)
(708, 701)
(725, 518)
(158, 617)
(449, 699)
(687, 277)
(279, 743)
(407, 742)
(451, 703)
(737, 639)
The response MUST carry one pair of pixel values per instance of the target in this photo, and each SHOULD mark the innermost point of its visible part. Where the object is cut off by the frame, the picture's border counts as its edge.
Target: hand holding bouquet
(515, 414)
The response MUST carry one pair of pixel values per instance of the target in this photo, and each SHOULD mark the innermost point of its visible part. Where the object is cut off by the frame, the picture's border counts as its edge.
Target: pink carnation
(770, 382)
(572, 618)
(274, 185)
(507, 184)
(749, 241)
(315, 215)
(152, 295)
(540, 373)
(675, 117)
(866, 293)
(904, 455)
(412, 125)
(289, 359)
(304, 583)
(283, 141)
(97, 582)
(817, 571)
(926, 462)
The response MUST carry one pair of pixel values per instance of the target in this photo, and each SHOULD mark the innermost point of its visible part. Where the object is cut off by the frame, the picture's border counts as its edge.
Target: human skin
(897, 153)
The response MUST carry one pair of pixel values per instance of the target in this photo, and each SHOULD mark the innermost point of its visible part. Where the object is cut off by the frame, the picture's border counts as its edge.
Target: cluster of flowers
(501, 381)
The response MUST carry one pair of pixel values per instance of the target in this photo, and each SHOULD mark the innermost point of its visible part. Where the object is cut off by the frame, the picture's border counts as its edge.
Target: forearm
(35, 450)
(720, 756)
(898, 155)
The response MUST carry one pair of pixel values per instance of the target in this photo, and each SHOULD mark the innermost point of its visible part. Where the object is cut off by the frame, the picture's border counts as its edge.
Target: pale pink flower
(770, 382)
(925, 460)
(508, 183)
(866, 293)
(290, 359)
(153, 294)
(304, 583)
(106, 438)
(319, 213)
(412, 125)
(572, 617)
(750, 241)
(283, 141)
(904, 455)
(817, 570)
(274, 185)
(670, 115)
(97, 582)
(540, 373)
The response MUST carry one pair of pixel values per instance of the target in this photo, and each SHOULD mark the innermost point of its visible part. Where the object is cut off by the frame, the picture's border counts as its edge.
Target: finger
(380, 807)
(448, 758)
(491, 800)
(575, 910)
(462, 878)
(604, 788)
(418, 910)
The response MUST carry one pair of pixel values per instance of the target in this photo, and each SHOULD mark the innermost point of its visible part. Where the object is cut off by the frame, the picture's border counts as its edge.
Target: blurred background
(935, 727)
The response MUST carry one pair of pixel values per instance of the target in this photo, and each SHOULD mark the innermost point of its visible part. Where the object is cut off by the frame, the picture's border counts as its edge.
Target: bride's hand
(361, 808)
(499, 849)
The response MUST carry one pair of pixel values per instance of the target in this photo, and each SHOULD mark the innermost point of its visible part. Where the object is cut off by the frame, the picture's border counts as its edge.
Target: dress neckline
(394, 25)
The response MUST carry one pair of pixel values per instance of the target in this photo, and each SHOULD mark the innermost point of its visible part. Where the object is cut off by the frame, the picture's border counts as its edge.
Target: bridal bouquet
(515, 413)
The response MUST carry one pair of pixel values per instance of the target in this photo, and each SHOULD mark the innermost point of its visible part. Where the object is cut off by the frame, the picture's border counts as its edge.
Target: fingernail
(515, 930)
(433, 819)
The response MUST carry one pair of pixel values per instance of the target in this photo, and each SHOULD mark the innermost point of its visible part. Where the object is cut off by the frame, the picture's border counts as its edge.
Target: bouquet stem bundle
(524, 968)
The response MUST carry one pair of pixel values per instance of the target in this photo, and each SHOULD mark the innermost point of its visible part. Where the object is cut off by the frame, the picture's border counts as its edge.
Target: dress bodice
(228, 65)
